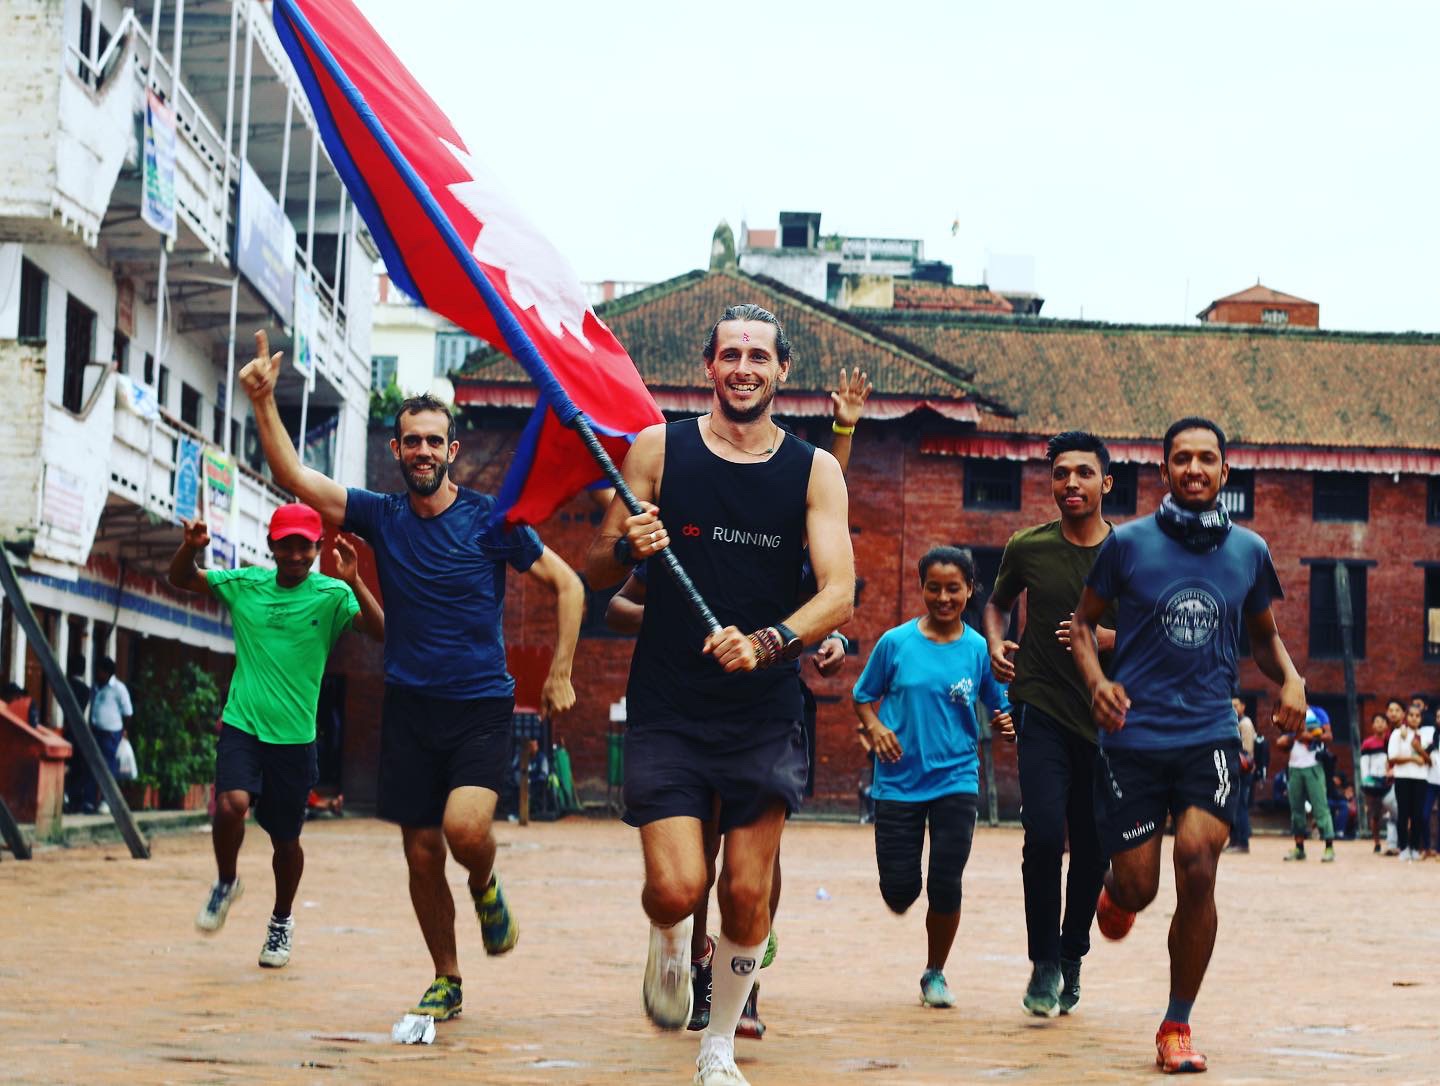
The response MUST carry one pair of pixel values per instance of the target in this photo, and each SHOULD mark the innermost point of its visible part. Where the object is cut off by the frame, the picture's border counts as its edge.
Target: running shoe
(498, 930)
(1296, 853)
(1232, 847)
(1328, 856)
(716, 1064)
(275, 954)
(1042, 994)
(701, 979)
(1114, 922)
(441, 1000)
(934, 992)
(668, 994)
(770, 947)
(1069, 985)
(1172, 1049)
(211, 917)
(750, 1025)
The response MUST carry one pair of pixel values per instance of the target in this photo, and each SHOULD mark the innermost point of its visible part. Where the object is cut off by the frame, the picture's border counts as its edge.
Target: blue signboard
(187, 479)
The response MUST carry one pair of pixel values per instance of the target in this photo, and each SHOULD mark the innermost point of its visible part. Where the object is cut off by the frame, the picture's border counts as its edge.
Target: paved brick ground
(103, 979)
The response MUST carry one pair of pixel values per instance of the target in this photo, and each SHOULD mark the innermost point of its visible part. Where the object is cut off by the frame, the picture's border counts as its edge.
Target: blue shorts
(682, 767)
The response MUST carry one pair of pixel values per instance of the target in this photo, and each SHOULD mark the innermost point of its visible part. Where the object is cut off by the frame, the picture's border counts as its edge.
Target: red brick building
(1335, 456)
(1261, 305)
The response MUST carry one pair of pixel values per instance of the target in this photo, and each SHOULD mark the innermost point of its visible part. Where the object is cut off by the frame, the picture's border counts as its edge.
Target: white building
(119, 339)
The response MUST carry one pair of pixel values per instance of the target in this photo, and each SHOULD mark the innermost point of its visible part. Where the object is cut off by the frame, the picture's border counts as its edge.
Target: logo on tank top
(748, 539)
(1190, 618)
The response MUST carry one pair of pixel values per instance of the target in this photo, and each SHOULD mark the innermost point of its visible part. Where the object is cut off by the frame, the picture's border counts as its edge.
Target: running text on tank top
(738, 529)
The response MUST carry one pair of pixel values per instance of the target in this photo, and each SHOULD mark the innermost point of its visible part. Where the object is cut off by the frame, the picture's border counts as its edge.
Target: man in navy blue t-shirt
(1184, 581)
(445, 724)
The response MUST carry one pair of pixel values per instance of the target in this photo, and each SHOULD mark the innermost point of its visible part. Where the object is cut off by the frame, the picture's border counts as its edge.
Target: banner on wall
(306, 324)
(187, 479)
(218, 481)
(157, 197)
(265, 245)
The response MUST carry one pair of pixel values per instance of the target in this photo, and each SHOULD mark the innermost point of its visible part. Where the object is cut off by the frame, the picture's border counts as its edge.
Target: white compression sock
(733, 975)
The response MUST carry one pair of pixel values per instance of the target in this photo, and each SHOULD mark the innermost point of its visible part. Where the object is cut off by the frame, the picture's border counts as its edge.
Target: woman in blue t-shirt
(916, 702)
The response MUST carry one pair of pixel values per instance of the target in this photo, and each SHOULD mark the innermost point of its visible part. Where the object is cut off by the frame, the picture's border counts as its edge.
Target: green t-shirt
(1051, 571)
(282, 639)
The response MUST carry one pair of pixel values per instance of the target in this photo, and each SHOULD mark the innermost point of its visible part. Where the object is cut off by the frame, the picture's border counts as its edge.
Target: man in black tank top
(714, 718)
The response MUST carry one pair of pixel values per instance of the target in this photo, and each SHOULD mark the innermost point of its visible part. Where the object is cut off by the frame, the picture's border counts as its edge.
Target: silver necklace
(774, 433)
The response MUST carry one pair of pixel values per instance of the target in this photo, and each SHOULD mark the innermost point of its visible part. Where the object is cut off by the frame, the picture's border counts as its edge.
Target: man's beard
(424, 487)
(748, 414)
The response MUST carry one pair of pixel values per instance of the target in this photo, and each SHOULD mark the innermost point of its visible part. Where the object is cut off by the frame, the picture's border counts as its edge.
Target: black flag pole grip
(581, 425)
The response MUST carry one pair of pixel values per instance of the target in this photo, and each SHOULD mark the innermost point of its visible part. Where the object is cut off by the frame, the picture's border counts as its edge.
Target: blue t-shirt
(928, 692)
(444, 585)
(1177, 635)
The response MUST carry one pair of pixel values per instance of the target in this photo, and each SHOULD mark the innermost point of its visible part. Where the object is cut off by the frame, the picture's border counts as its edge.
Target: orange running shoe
(1114, 922)
(1172, 1049)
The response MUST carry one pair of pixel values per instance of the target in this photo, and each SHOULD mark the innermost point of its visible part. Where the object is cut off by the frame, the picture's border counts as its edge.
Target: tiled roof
(664, 328)
(919, 294)
(1259, 293)
(1283, 387)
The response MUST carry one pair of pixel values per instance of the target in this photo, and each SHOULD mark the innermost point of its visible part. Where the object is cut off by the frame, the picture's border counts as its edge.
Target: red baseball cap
(296, 519)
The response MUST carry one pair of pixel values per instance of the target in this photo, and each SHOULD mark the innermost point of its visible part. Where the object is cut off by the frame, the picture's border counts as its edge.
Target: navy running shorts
(683, 767)
(430, 746)
(1136, 789)
(278, 777)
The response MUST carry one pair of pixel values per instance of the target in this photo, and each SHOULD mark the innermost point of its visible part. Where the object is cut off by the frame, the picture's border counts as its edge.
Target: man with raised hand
(1184, 581)
(446, 719)
(286, 620)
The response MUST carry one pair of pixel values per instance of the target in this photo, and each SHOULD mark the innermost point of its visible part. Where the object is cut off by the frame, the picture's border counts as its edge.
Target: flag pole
(581, 425)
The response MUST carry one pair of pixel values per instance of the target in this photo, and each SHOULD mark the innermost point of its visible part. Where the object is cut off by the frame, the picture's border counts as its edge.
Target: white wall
(408, 333)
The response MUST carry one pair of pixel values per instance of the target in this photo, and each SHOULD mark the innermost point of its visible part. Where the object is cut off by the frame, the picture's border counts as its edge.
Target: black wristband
(622, 551)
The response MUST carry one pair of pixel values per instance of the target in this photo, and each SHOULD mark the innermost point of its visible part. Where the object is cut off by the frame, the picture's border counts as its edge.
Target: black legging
(1408, 794)
(900, 839)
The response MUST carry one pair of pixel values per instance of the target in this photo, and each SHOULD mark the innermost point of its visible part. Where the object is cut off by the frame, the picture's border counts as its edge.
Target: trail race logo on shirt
(1190, 618)
(960, 692)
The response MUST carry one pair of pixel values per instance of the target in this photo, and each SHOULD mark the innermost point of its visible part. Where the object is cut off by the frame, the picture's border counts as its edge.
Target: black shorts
(1135, 789)
(430, 746)
(683, 767)
(900, 841)
(278, 777)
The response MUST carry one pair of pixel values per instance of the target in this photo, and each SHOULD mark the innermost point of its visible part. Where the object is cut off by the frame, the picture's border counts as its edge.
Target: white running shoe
(716, 1064)
(668, 993)
(275, 954)
(212, 914)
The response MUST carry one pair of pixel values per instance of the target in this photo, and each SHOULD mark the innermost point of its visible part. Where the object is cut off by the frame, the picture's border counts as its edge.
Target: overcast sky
(1149, 157)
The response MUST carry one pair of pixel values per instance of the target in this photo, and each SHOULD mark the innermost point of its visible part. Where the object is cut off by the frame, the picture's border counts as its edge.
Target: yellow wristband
(843, 431)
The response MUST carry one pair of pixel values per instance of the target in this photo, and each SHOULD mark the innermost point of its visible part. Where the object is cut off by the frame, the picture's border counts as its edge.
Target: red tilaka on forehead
(744, 337)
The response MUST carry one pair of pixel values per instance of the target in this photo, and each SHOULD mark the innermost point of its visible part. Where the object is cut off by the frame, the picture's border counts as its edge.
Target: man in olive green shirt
(285, 621)
(1056, 741)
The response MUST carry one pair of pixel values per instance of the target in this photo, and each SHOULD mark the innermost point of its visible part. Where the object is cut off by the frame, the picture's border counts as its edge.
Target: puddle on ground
(557, 1065)
(1319, 1054)
(869, 1065)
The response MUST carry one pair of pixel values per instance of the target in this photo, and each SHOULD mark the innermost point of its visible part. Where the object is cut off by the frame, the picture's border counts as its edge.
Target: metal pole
(581, 425)
(285, 150)
(160, 288)
(93, 75)
(310, 202)
(245, 93)
(81, 735)
(304, 412)
(230, 361)
(230, 106)
(1352, 707)
(154, 44)
(175, 56)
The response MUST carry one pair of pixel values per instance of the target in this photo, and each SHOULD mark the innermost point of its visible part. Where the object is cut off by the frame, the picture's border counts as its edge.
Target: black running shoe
(700, 979)
(1069, 985)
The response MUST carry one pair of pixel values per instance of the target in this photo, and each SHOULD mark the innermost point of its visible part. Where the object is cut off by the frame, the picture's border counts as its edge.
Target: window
(596, 600)
(992, 484)
(1238, 494)
(1342, 495)
(452, 349)
(79, 350)
(1338, 712)
(162, 389)
(149, 369)
(1432, 500)
(120, 352)
(189, 405)
(1432, 613)
(1120, 502)
(34, 287)
(1274, 316)
(218, 433)
(382, 370)
(987, 568)
(1325, 614)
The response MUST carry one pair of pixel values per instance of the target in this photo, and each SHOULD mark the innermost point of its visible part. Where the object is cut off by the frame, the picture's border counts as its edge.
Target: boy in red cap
(285, 620)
